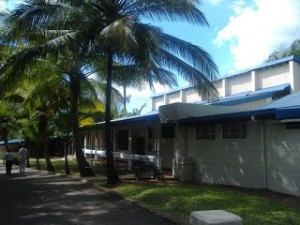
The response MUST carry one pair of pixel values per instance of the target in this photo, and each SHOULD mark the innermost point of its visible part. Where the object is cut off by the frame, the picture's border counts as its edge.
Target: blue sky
(242, 33)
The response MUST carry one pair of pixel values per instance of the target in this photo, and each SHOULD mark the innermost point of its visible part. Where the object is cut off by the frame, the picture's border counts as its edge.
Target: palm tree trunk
(112, 175)
(66, 150)
(37, 150)
(83, 165)
(44, 138)
(125, 99)
(5, 137)
(29, 151)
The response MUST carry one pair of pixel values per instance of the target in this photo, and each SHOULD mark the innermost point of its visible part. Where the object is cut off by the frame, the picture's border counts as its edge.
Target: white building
(248, 137)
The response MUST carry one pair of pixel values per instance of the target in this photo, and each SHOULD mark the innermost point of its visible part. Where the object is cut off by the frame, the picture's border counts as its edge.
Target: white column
(224, 88)
(253, 81)
(294, 76)
(165, 99)
(181, 96)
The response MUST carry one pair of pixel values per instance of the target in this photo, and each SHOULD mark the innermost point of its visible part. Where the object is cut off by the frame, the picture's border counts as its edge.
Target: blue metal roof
(253, 96)
(291, 100)
(264, 65)
(153, 115)
(287, 107)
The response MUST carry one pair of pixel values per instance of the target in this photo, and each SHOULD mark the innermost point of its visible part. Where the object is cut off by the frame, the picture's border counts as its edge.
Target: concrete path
(38, 198)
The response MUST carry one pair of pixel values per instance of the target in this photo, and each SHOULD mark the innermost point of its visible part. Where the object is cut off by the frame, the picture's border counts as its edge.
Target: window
(123, 139)
(167, 131)
(293, 125)
(150, 133)
(206, 131)
(235, 129)
(149, 147)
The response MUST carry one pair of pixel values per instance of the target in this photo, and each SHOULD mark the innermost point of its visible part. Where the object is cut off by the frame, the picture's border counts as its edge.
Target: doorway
(140, 145)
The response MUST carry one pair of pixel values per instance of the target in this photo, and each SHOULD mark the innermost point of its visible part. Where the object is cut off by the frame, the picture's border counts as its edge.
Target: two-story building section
(247, 137)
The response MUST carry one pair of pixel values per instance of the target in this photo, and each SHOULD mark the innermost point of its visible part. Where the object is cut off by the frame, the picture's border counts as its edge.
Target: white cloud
(2, 5)
(9, 4)
(258, 28)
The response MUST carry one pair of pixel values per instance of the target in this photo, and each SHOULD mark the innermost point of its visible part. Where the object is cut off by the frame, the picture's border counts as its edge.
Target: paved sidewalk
(39, 198)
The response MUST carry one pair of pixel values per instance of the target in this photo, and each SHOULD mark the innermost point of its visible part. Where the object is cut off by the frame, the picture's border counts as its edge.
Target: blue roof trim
(153, 115)
(278, 114)
(288, 113)
(252, 96)
(264, 65)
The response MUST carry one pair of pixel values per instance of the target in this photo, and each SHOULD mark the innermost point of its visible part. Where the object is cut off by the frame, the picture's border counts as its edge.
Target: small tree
(293, 49)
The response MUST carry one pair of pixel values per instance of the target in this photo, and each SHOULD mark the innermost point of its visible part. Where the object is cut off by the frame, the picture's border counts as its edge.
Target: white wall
(238, 162)
(191, 95)
(268, 158)
(239, 84)
(173, 97)
(157, 101)
(283, 158)
(273, 76)
(287, 72)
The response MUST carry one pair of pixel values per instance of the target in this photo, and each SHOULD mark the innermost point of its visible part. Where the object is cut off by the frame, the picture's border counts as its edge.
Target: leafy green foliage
(293, 49)
(75, 39)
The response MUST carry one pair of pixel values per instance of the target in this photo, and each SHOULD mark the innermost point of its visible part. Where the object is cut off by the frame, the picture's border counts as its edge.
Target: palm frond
(170, 10)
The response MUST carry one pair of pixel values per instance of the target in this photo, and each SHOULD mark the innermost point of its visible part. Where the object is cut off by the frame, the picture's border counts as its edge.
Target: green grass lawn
(58, 164)
(179, 200)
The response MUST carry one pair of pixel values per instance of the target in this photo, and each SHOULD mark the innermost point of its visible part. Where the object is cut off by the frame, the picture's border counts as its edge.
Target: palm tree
(112, 32)
(9, 114)
(5, 123)
(150, 52)
(43, 41)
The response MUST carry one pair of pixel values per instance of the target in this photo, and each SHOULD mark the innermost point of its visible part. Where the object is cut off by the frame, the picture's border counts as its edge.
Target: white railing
(123, 156)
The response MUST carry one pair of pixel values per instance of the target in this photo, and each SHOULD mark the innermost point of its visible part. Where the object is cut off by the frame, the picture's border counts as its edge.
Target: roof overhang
(183, 112)
(149, 117)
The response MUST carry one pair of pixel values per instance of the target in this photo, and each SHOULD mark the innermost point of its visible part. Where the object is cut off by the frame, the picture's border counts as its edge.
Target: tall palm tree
(151, 53)
(6, 122)
(28, 23)
(115, 31)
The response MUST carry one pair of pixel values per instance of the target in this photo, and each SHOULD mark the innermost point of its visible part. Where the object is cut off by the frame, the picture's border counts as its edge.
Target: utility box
(185, 169)
(214, 217)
